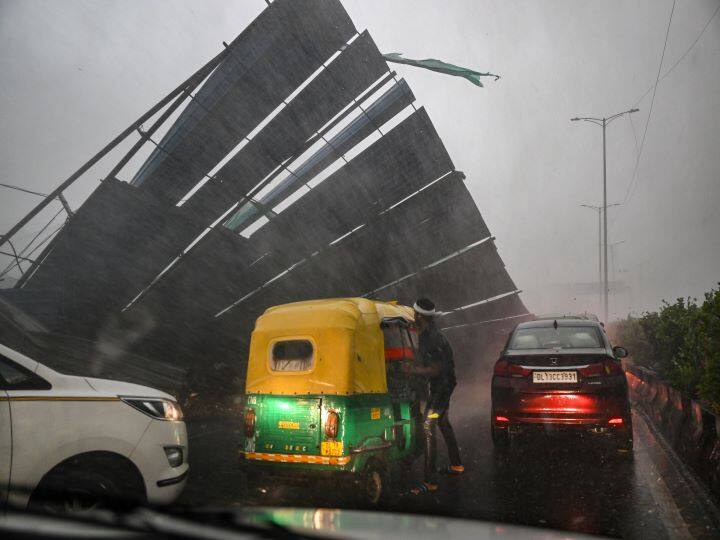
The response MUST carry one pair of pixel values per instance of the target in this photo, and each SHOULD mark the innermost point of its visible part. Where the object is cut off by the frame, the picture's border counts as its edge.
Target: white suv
(73, 442)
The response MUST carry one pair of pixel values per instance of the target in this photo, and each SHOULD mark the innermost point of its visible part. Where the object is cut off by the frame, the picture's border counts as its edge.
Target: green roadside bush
(681, 342)
(630, 334)
(708, 329)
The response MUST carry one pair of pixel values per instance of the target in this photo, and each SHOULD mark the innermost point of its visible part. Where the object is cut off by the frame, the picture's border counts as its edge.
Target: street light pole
(599, 210)
(603, 122)
(605, 244)
(612, 256)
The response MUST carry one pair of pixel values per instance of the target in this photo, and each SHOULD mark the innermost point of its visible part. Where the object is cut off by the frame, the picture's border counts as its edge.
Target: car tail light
(518, 371)
(613, 367)
(615, 421)
(249, 422)
(593, 370)
(606, 367)
(503, 368)
(331, 424)
(502, 419)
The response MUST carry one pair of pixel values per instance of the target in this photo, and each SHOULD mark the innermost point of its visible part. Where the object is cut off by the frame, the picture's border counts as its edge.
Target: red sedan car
(561, 375)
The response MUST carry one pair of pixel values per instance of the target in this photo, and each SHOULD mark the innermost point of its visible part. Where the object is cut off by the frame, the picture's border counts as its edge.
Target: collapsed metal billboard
(300, 167)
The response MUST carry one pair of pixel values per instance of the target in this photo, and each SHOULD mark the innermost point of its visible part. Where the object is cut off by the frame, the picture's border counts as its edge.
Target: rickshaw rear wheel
(374, 484)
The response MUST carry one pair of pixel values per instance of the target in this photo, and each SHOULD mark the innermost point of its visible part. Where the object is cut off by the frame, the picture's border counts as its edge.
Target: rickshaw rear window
(397, 343)
(292, 355)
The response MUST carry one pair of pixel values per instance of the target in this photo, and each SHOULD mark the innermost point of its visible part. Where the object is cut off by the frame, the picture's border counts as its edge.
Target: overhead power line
(682, 57)
(633, 181)
(632, 186)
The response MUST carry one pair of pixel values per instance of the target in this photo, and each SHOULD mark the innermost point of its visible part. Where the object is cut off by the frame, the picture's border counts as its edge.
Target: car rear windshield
(292, 355)
(563, 337)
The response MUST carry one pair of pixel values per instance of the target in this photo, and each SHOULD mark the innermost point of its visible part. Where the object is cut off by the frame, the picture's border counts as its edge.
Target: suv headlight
(160, 409)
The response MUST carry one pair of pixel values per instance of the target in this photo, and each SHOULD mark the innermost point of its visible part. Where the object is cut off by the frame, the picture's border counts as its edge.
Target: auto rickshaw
(326, 397)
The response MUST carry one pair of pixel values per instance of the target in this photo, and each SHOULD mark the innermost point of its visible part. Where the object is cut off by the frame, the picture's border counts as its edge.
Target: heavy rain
(336, 266)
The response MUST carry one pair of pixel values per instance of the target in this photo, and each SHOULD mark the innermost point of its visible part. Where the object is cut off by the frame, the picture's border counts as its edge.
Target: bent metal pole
(197, 76)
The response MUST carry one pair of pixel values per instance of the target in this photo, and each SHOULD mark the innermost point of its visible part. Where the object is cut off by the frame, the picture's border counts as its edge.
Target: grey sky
(76, 73)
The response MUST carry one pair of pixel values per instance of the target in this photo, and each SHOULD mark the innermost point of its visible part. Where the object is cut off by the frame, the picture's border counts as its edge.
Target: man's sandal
(454, 470)
(423, 487)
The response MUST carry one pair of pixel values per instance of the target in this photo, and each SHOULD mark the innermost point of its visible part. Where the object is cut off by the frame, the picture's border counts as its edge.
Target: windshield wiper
(184, 522)
(165, 522)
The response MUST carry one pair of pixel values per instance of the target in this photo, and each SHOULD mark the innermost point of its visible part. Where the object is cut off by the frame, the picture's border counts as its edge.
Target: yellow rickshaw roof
(347, 341)
(330, 313)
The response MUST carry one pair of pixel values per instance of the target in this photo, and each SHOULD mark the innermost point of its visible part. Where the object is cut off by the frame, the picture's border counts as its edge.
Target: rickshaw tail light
(399, 353)
(331, 425)
(249, 422)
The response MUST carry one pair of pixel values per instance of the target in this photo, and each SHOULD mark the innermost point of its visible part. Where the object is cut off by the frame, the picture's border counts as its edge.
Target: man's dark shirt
(433, 347)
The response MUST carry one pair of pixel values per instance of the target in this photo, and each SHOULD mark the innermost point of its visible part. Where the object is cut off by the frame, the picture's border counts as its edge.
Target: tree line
(681, 342)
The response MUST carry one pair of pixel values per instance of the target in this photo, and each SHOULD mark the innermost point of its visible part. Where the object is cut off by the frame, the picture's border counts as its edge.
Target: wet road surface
(546, 483)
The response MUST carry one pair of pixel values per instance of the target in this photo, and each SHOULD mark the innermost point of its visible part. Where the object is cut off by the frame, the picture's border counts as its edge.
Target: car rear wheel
(500, 438)
(623, 447)
(500, 435)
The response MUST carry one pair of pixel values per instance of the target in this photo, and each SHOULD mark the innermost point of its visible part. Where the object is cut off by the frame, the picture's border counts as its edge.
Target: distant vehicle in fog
(561, 375)
(72, 443)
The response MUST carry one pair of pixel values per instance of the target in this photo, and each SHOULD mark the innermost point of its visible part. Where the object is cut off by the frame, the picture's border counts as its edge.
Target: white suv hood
(119, 388)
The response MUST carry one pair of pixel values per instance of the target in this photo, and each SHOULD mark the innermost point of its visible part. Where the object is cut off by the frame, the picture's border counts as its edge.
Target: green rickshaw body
(317, 396)
(288, 431)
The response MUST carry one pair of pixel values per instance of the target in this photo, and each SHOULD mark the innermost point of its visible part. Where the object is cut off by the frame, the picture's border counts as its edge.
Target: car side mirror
(620, 352)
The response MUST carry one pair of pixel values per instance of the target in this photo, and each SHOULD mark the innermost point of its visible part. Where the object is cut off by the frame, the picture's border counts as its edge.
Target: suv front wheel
(75, 492)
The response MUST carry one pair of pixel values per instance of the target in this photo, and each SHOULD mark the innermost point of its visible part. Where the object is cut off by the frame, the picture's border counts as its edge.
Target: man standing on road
(436, 363)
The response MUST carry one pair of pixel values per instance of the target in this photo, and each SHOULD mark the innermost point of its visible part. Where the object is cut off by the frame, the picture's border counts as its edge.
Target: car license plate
(555, 377)
(331, 448)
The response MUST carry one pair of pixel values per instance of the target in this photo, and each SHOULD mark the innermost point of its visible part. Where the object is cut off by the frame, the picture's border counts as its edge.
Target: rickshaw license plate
(555, 377)
(286, 424)
(331, 448)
